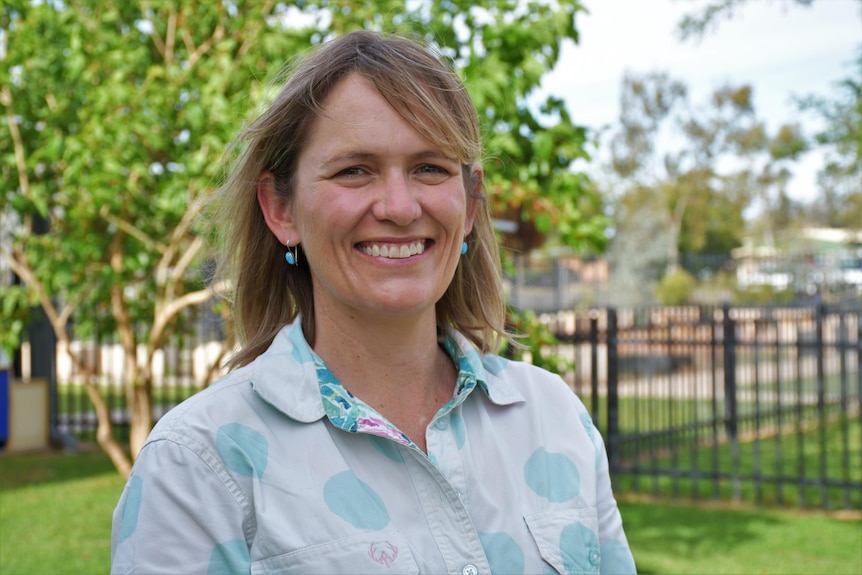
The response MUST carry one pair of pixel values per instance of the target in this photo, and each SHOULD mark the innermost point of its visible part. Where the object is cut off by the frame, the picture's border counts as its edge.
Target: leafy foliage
(676, 288)
(117, 114)
(841, 137)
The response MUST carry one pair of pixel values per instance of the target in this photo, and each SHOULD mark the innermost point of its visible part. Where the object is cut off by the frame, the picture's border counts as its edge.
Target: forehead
(356, 117)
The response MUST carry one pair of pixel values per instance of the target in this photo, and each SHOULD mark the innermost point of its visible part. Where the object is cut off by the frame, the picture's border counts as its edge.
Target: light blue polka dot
(230, 557)
(579, 548)
(131, 507)
(552, 476)
(587, 422)
(387, 447)
(504, 554)
(617, 559)
(243, 450)
(548, 570)
(458, 429)
(355, 501)
(494, 364)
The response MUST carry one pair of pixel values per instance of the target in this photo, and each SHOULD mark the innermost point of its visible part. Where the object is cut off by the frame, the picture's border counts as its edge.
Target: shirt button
(595, 556)
(441, 424)
(469, 570)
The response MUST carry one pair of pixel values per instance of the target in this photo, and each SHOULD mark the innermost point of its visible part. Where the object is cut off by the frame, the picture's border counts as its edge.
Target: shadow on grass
(687, 531)
(24, 470)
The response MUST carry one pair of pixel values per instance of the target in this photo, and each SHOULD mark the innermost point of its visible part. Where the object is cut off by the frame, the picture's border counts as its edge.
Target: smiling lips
(396, 251)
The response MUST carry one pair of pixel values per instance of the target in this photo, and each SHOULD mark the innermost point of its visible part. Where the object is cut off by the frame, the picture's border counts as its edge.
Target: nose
(397, 201)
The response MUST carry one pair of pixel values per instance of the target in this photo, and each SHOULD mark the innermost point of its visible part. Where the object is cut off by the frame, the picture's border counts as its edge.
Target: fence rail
(759, 404)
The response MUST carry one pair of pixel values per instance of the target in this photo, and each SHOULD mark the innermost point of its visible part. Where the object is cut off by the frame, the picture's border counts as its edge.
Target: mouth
(389, 250)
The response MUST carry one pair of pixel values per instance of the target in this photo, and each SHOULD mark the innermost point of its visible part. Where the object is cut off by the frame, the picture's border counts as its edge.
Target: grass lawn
(55, 513)
(55, 518)
(687, 539)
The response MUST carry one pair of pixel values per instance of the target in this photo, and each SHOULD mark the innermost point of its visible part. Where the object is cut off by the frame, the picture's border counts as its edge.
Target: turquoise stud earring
(291, 257)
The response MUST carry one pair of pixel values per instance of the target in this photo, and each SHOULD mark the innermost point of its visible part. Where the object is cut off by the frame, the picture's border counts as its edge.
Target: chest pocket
(365, 554)
(568, 539)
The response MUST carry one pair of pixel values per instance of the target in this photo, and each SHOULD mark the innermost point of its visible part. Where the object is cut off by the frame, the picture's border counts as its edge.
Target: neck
(376, 345)
(393, 364)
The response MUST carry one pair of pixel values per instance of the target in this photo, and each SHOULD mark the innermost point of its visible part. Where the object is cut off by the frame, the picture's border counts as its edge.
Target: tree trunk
(105, 429)
(141, 413)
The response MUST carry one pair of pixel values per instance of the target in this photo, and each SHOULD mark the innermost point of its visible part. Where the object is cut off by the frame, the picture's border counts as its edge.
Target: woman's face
(381, 213)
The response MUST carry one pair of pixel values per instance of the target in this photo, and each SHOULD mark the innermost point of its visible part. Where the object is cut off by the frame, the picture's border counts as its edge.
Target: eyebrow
(359, 156)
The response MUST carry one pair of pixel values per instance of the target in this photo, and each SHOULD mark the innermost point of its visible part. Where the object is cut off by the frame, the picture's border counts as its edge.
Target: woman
(368, 427)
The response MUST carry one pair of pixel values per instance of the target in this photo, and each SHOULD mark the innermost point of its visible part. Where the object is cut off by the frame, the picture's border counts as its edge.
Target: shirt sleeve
(616, 557)
(180, 512)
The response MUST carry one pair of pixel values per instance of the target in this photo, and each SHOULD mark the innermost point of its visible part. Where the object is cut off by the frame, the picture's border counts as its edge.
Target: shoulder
(544, 393)
(528, 379)
(211, 406)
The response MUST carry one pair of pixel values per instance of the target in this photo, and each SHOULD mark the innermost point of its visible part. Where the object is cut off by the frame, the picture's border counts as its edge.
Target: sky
(780, 48)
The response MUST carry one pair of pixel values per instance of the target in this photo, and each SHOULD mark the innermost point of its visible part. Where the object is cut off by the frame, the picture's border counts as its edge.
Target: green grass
(55, 513)
(55, 518)
(680, 538)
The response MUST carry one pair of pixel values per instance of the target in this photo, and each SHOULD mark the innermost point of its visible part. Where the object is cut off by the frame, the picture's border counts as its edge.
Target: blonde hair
(265, 293)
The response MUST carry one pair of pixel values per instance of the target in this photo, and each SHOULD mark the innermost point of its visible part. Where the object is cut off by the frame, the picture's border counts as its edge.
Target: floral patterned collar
(351, 414)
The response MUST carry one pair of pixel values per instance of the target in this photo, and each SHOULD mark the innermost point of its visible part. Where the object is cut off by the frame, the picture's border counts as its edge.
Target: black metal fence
(756, 404)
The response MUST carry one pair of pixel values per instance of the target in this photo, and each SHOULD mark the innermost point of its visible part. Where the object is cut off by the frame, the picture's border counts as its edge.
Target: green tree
(840, 179)
(116, 115)
(694, 168)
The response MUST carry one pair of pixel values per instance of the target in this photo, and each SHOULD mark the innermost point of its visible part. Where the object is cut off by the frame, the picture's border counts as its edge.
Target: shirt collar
(291, 377)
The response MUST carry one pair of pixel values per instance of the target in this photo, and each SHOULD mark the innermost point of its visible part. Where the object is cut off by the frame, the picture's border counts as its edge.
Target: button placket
(470, 569)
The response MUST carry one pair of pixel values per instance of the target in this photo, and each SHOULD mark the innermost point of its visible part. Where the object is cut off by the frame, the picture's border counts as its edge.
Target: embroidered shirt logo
(384, 553)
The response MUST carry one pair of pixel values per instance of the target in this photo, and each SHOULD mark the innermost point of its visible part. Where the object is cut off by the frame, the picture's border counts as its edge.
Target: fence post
(730, 419)
(613, 431)
(594, 368)
(859, 355)
(820, 312)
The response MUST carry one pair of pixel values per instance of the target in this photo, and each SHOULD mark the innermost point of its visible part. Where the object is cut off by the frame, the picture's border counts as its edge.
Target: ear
(474, 195)
(276, 210)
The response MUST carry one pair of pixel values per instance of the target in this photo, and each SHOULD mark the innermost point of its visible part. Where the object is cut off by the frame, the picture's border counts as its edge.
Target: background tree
(690, 171)
(116, 115)
(840, 200)
(840, 178)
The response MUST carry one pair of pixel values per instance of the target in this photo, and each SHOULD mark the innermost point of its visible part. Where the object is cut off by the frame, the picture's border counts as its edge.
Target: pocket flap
(568, 539)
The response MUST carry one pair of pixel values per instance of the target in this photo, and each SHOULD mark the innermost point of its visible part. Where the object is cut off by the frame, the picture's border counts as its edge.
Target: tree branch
(171, 38)
(147, 10)
(196, 53)
(249, 39)
(167, 313)
(18, 263)
(131, 230)
(18, 145)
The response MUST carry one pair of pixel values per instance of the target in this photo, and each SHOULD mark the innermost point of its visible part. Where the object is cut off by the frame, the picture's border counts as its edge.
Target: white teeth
(394, 251)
